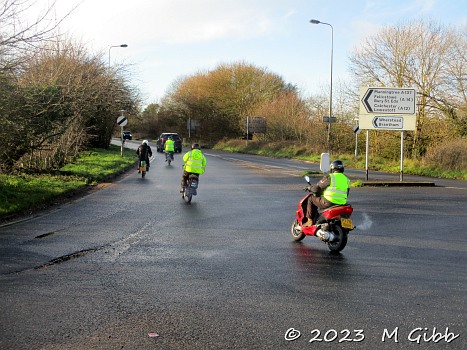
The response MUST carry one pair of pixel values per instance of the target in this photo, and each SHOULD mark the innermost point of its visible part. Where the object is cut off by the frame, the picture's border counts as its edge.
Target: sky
(171, 39)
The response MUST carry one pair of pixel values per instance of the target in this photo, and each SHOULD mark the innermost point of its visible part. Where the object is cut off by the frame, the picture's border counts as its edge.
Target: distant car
(127, 135)
(164, 136)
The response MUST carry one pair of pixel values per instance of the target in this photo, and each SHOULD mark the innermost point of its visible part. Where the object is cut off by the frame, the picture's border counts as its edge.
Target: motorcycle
(142, 168)
(332, 225)
(190, 188)
(169, 157)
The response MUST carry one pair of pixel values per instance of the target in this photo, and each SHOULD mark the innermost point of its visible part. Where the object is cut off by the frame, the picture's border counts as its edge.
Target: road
(131, 266)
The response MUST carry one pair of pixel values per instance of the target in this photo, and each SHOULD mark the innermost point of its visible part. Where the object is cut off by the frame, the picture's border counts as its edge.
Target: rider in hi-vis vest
(169, 148)
(195, 163)
(338, 189)
(332, 189)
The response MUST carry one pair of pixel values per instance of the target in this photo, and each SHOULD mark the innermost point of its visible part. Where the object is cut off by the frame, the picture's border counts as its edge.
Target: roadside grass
(376, 163)
(22, 192)
(95, 165)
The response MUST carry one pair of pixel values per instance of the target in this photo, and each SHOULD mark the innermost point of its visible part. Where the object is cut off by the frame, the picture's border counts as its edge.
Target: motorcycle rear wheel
(340, 241)
(296, 231)
(187, 195)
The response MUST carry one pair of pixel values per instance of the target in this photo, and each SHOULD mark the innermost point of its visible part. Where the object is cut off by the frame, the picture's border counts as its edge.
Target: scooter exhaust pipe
(325, 236)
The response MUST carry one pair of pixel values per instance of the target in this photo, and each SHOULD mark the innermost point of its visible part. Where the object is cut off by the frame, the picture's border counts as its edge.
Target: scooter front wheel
(296, 231)
(339, 243)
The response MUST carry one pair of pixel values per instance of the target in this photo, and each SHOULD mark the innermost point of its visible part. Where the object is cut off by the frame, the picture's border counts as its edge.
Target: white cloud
(168, 21)
(362, 29)
(403, 9)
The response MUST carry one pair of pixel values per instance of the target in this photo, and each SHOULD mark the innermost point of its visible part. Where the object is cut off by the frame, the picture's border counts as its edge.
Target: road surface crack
(67, 257)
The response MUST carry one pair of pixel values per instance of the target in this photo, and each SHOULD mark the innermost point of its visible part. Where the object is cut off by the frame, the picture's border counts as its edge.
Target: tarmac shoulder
(383, 183)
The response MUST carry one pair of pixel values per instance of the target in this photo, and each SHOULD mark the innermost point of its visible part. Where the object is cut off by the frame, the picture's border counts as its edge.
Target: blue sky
(169, 39)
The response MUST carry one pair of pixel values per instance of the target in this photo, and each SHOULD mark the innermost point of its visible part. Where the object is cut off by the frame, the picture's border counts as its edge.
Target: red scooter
(332, 225)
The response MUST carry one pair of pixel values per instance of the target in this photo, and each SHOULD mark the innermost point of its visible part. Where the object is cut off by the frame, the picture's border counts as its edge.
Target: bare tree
(19, 36)
(419, 55)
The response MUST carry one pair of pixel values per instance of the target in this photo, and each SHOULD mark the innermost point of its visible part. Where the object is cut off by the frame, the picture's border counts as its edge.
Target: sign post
(247, 129)
(122, 121)
(387, 108)
(367, 151)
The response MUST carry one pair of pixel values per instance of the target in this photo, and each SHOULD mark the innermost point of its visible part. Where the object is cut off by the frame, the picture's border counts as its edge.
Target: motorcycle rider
(195, 163)
(144, 152)
(169, 148)
(332, 189)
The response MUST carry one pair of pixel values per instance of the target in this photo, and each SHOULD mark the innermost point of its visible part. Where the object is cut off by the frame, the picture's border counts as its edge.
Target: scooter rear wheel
(340, 241)
(296, 231)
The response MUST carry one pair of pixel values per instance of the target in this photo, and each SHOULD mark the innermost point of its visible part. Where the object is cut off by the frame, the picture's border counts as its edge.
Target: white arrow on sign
(389, 101)
(122, 121)
(391, 123)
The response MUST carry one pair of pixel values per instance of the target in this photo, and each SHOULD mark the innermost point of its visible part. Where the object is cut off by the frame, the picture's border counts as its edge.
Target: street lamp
(315, 21)
(122, 45)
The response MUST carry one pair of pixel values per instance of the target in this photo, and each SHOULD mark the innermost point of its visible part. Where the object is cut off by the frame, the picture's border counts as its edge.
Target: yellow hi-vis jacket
(169, 145)
(195, 162)
(338, 189)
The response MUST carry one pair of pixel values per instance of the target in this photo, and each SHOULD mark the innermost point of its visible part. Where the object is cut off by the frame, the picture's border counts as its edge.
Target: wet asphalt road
(133, 260)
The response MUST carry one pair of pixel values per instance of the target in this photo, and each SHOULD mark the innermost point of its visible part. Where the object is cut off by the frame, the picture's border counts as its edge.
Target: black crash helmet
(337, 166)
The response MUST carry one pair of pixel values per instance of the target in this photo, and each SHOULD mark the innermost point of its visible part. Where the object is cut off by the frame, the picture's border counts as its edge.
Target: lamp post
(315, 21)
(122, 45)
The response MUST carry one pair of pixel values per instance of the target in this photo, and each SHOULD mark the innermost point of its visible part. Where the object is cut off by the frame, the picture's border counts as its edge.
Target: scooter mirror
(324, 165)
(307, 179)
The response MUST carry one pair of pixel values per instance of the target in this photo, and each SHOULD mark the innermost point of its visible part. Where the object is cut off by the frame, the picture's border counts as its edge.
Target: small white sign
(122, 121)
(324, 164)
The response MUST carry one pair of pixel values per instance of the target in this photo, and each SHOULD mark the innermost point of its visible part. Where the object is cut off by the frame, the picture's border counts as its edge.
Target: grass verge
(287, 150)
(25, 192)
